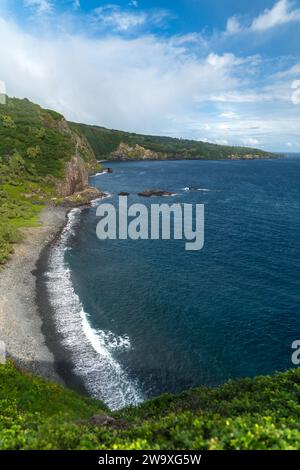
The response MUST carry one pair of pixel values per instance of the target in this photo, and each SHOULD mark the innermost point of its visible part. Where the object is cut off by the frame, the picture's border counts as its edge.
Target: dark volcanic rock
(155, 192)
(83, 198)
(123, 193)
(108, 170)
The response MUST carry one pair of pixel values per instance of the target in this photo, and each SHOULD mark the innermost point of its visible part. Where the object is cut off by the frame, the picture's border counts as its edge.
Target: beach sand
(20, 320)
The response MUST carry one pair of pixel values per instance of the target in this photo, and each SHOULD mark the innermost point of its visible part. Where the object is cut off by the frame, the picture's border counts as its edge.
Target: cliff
(42, 160)
(136, 152)
(76, 177)
(111, 144)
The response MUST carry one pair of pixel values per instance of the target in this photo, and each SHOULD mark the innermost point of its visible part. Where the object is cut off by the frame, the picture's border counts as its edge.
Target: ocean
(141, 318)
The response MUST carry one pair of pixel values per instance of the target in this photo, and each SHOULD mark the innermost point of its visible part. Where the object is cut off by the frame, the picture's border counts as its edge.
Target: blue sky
(224, 71)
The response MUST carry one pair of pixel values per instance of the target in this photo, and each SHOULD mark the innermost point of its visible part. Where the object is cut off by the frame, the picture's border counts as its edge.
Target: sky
(223, 71)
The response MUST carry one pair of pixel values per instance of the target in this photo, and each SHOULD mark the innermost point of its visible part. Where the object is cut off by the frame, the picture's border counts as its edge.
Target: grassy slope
(104, 141)
(35, 145)
(260, 413)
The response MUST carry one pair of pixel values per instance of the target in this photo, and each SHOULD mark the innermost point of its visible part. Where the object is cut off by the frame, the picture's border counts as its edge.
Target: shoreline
(21, 324)
(63, 364)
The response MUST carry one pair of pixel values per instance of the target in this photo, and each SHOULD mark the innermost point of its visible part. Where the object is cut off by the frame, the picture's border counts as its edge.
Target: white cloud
(293, 71)
(119, 20)
(136, 84)
(40, 6)
(2, 92)
(250, 141)
(229, 115)
(112, 16)
(221, 61)
(147, 84)
(241, 97)
(76, 4)
(221, 141)
(281, 13)
(133, 3)
(233, 25)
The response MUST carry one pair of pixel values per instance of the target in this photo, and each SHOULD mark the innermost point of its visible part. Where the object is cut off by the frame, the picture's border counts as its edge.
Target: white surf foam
(99, 174)
(196, 189)
(97, 201)
(91, 350)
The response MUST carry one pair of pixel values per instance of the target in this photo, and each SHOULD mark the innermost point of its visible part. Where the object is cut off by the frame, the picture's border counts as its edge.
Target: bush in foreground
(260, 413)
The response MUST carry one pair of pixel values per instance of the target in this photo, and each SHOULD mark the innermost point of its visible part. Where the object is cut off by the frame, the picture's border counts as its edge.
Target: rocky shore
(20, 321)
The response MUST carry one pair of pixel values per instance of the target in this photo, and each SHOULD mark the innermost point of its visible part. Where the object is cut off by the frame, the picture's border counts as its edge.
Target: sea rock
(123, 193)
(82, 198)
(155, 192)
(191, 189)
(108, 170)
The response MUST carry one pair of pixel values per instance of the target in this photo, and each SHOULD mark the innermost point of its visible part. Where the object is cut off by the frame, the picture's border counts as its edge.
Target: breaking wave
(91, 350)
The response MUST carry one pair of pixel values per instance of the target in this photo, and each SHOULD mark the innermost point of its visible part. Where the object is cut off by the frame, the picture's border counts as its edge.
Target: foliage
(260, 413)
(17, 210)
(34, 134)
(35, 145)
(104, 141)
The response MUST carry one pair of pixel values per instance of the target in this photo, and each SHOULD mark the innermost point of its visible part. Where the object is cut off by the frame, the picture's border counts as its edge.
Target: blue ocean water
(152, 317)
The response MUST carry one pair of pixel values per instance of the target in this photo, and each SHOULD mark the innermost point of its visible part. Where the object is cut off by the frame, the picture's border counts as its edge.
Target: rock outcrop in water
(155, 192)
(82, 198)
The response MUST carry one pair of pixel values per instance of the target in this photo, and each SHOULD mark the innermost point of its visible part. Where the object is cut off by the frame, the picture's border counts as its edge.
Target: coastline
(81, 357)
(63, 364)
(21, 325)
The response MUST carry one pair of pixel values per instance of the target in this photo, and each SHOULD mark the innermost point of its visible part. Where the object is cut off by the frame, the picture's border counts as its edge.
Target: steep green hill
(260, 413)
(118, 145)
(35, 145)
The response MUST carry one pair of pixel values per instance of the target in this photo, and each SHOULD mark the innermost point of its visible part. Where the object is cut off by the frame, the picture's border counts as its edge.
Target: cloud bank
(153, 84)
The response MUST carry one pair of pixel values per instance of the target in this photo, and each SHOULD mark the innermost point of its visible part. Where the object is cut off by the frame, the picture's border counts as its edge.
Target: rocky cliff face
(127, 152)
(75, 187)
(76, 177)
(77, 170)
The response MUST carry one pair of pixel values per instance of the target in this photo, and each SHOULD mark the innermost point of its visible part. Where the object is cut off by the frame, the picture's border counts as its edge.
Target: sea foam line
(97, 201)
(91, 350)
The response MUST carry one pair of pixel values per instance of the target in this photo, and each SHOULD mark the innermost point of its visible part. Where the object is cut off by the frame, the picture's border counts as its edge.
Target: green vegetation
(35, 145)
(17, 211)
(260, 413)
(105, 141)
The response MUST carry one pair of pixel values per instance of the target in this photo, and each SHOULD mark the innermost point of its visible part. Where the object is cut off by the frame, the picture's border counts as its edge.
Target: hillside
(44, 159)
(117, 145)
(41, 160)
(260, 413)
